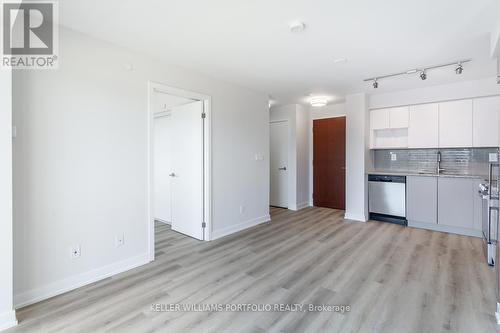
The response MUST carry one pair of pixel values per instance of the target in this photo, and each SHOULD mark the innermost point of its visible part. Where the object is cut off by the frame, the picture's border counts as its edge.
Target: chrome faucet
(439, 169)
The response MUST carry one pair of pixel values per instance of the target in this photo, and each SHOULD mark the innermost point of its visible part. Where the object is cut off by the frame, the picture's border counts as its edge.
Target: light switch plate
(259, 157)
(493, 157)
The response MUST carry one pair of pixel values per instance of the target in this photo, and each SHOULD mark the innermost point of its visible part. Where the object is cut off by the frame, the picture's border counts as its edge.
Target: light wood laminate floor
(395, 279)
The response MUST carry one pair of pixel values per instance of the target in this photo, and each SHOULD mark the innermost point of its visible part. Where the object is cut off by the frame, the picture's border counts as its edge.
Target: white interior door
(162, 157)
(279, 164)
(187, 169)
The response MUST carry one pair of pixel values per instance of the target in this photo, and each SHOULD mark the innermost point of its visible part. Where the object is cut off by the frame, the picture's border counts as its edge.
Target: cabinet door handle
(283, 168)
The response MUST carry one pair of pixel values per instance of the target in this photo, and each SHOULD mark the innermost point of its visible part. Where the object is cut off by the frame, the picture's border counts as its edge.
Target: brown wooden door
(329, 162)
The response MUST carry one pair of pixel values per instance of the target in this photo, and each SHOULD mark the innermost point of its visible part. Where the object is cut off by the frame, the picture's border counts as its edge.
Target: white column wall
(357, 156)
(7, 314)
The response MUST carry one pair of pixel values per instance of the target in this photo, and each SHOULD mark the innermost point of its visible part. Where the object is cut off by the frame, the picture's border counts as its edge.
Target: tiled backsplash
(462, 161)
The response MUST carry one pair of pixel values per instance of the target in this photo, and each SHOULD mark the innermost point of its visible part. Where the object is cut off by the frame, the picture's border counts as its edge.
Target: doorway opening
(329, 162)
(179, 157)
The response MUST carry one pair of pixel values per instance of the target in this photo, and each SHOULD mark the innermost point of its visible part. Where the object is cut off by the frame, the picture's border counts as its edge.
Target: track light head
(423, 75)
(459, 69)
(375, 84)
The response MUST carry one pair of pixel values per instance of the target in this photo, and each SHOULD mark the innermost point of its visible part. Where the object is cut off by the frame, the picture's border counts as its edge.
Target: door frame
(290, 179)
(154, 88)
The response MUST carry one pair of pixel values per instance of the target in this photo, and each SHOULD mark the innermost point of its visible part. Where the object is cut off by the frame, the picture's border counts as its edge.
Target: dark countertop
(414, 173)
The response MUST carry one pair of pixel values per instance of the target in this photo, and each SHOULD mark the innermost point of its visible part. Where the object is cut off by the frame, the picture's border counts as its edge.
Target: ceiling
(248, 42)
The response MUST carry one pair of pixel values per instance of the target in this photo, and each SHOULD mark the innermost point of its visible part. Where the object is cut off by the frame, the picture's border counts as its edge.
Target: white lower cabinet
(449, 204)
(421, 199)
(456, 202)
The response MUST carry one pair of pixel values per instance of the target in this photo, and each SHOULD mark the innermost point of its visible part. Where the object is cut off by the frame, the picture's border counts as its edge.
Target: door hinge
(203, 115)
(203, 225)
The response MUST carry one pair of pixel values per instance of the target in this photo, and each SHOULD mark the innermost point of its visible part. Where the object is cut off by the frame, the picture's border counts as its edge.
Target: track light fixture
(458, 66)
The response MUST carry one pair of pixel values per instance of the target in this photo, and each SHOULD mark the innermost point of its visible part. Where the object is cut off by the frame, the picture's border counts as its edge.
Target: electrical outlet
(394, 157)
(242, 209)
(493, 157)
(76, 252)
(120, 240)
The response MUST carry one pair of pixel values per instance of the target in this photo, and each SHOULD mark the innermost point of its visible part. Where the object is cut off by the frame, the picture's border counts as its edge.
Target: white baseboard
(77, 281)
(355, 217)
(445, 228)
(302, 205)
(7, 320)
(239, 227)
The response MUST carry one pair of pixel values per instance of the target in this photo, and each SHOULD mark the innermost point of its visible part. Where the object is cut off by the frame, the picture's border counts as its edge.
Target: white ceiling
(248, 42)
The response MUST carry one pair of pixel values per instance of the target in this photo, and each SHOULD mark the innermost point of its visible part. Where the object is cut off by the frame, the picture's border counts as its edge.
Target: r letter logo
(29, 34)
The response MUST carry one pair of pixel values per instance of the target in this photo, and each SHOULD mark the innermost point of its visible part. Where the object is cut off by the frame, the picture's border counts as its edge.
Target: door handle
(172, 174)
(283, 168)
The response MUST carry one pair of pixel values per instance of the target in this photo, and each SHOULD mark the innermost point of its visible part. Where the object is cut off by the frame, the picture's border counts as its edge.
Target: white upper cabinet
(389, 128)
(398, 117)
(379, 119)
(389, 118)
(423, 126)
(485, 122)
(455, 124)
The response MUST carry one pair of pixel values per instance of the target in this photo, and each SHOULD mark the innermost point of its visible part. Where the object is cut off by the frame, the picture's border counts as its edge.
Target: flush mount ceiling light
(318, 102)
(340, 60)
(297, 26)
(422, 71)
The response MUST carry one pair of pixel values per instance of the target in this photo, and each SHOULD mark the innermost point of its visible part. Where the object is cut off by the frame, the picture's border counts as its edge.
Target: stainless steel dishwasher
(387, 198)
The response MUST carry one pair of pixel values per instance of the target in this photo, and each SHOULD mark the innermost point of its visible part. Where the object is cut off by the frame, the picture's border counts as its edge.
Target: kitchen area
(435, 166)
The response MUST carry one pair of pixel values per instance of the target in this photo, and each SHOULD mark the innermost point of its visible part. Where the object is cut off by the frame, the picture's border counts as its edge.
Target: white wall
(7, 314)
(356, 156)
(81, 162)
(328, 111)
(457, 90)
